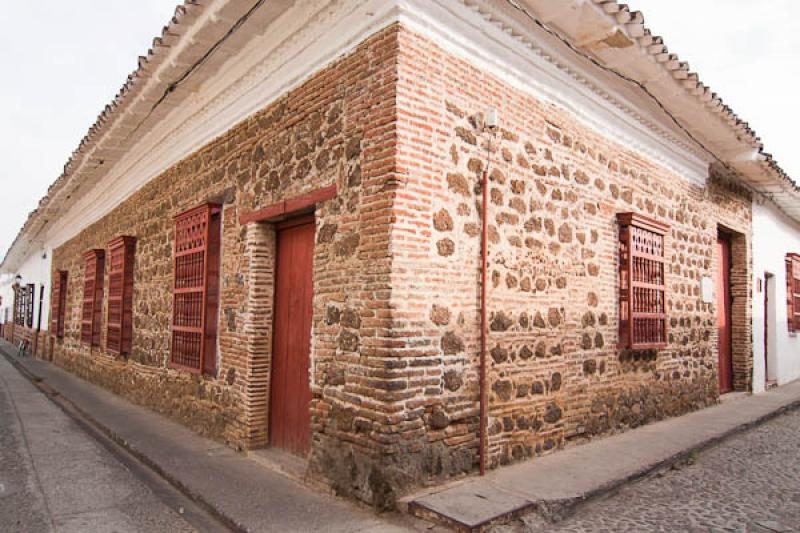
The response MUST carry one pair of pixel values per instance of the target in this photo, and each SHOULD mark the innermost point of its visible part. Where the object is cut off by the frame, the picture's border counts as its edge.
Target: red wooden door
(725, 366)
(290, 393)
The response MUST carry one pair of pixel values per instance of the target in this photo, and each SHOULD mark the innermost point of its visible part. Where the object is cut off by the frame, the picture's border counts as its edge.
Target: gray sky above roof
(64, 61)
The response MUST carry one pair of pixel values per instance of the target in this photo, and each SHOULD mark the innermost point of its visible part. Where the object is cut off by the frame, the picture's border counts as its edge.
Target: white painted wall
(774, 235)
(35, 269)
(7, 295)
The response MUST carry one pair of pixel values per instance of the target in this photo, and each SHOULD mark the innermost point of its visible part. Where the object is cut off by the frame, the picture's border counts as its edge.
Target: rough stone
(452, 343)
(440, 315)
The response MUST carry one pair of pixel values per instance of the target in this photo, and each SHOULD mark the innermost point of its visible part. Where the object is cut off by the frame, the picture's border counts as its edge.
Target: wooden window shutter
(793, 291)
(93, 270)
(196, 289)
(119, 328)
(643, 289)
(58, 304)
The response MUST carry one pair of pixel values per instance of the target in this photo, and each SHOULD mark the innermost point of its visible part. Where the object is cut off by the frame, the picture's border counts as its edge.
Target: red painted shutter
(93, 270)
(58, 304)
(55, 299)
(119, 329)
(642, 278)
(196, 289)
(793, 291)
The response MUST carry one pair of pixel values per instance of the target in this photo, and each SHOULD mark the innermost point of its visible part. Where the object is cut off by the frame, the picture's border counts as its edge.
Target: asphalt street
(56, 476)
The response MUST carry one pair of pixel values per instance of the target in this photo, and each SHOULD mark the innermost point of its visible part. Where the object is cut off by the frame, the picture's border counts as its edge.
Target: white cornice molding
(492, 38)
(271, 64)
(311, 34)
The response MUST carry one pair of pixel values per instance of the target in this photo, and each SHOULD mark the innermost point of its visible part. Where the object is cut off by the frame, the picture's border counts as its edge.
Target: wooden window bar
(30, 296)
(642, 279)
(196, 289)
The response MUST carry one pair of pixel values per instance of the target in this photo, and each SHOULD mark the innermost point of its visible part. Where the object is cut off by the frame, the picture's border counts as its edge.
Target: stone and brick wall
(555, 188)
(334, 129)
(37, 341)
(396, 126)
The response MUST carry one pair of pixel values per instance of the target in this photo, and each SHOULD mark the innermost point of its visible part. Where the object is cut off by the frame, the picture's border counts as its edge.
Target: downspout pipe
(490, 125)
(484, 393)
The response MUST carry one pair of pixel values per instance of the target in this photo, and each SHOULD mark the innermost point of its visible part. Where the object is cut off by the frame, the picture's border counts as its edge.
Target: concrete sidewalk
(243, 493)
(554, 484)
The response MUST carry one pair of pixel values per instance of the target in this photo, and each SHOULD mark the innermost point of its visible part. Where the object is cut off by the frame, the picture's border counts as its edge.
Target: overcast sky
(62, 62)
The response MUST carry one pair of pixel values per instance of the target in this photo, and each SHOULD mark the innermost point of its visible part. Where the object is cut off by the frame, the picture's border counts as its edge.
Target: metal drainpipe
(490, 125)
(484, 398)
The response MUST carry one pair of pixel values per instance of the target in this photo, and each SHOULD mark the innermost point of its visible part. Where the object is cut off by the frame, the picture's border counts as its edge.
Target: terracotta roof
(614, 37)
(148, 94)
(146, 87)
(169, 33)
(633, 22)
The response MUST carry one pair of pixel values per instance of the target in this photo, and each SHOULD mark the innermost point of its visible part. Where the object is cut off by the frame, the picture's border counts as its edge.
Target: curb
(86, 420)
(562, 509)
(554, 511)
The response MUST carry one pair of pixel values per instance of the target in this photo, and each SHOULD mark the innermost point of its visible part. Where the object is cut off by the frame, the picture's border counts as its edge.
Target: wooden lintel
(287, 207)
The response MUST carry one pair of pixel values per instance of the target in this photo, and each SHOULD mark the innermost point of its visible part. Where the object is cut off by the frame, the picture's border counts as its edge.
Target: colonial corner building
(409, 240)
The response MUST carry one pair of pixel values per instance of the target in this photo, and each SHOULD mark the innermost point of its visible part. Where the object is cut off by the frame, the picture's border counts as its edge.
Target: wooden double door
(290, 392)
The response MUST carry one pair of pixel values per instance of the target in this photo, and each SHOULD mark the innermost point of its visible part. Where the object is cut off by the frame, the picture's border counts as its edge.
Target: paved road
(750, 483)
(55, 477)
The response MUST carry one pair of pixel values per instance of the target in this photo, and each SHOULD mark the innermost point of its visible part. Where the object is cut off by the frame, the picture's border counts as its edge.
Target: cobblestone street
(748, 483)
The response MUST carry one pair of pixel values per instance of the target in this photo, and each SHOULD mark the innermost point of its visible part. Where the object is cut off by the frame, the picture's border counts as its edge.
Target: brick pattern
(334, 129)
(396, 125)
(555, 188)
(38, 342)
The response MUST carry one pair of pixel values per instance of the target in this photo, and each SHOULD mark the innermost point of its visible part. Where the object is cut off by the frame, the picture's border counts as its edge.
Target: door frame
(767, 277)
(724, 268)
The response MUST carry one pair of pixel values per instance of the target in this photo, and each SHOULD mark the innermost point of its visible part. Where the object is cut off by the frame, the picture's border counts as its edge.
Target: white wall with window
(6, 298)
(35, 270)
(776, 350)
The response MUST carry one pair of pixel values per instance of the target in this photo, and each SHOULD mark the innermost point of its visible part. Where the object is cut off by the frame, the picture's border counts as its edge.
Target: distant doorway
(770, 316)
(724, 326)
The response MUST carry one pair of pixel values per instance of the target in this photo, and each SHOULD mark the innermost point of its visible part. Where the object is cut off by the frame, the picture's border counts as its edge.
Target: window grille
(58, 304)
(93, 270)
(30, 295)
(642, 283)
(119, 329)
(196, 289)
(20, 295)
(793, 291)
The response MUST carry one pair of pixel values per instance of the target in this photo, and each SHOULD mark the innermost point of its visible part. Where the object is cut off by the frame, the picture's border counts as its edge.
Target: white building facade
(776, 349)
(31, 280)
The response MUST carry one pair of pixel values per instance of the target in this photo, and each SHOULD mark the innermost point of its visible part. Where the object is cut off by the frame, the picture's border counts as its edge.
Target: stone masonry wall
(396, 126)
(337, 128)
(555, 189)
